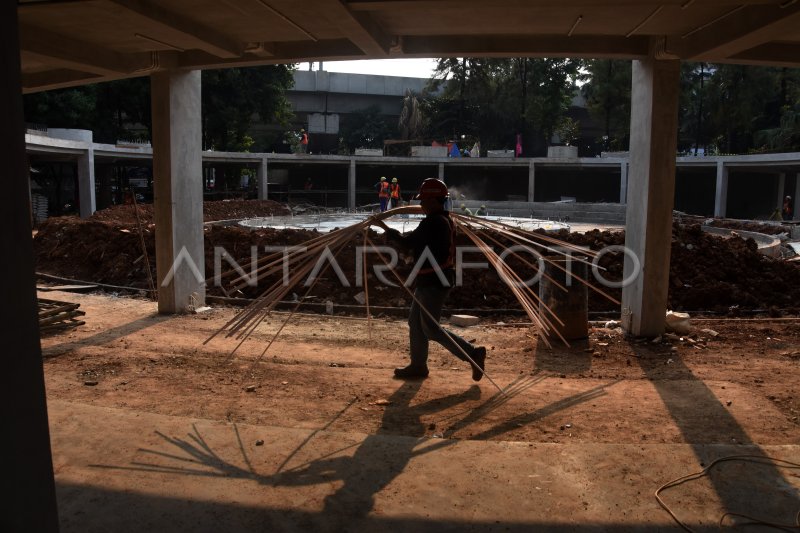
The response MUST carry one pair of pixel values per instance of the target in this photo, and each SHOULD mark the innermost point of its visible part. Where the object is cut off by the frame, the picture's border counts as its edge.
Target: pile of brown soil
(706, 272)
(221, 210)
(747, 225)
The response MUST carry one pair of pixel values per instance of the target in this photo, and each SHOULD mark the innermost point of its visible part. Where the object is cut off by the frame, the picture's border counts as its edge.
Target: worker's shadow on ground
(379, 458)
(376, 461)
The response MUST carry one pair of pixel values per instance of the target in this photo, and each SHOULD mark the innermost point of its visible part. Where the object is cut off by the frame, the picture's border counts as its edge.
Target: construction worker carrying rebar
(434, 240)
(383, 193)
(394, 194)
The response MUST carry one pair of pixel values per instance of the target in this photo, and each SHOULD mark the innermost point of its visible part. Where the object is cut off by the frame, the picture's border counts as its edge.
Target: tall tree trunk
(699, 132)
(461, 92)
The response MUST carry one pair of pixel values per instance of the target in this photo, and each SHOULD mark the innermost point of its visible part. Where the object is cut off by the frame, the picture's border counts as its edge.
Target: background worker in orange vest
(434, 236)
(394, 194)
(383, 193)
(303, 141)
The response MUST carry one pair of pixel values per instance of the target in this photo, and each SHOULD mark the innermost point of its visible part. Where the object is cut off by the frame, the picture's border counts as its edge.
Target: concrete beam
(781, 54)
(721, 191)
(739, 29)
(531, 180)
(205, 37)
(178, 190)
(69, 53)
(262, 175)
(321, 50)
(86, 189)
(30, 501)
(351, 185)
(623, 182)
(654, 124)
(612, 47)
(361, 27)
(56, 79)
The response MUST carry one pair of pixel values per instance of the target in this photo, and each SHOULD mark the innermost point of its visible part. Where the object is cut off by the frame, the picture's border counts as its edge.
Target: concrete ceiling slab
(72, 42)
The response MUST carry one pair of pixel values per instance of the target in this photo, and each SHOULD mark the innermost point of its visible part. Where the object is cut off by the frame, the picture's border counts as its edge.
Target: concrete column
(623, 182)
(531, 180)
(441, 171)
(351, 185)
(178, 189)
(781, 187)
(263, 186)
(721, 192)
(796, 197)
(30, 504)
(654, 124)
(86, 195)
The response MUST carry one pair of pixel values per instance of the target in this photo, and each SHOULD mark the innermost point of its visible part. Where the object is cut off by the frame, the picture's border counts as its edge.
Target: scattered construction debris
(57, 316)
(464, 321)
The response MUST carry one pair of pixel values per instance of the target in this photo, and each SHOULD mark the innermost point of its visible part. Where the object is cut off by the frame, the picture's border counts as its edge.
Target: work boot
(411, 372)
(479, 356)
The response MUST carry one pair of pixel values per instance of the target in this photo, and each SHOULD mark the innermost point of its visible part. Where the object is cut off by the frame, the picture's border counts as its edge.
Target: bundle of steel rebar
(294, 268)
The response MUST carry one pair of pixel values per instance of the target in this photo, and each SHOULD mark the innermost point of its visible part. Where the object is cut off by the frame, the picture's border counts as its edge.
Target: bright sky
(412, 68)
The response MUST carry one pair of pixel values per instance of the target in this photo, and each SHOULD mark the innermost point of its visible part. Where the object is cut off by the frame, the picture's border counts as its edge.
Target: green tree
(411, 123)
(63, 108)
(233, 99)
(568, 130)
(783, 131)
(694, 106)
(551, 84)
(123, 110)
(739, 96)
(607, 90)
(112, 110)
(365, 128)
(492, 99)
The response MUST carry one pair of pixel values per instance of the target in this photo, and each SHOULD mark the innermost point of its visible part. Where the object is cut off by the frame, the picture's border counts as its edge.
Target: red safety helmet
(432, 188)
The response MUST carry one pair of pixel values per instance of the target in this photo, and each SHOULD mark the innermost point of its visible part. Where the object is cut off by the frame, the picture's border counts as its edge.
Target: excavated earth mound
(222, 210)
(758, 227)
(707, 273)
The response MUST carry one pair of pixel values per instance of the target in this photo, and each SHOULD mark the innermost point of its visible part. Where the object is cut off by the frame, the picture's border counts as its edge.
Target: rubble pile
(749, 225)
(707, 273)
(221, 210)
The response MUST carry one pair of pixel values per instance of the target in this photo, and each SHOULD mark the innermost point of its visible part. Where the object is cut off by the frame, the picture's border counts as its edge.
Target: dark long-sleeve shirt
(435, 232)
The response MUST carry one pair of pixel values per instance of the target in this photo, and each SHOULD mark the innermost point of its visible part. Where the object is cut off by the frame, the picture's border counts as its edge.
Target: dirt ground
(606, 421)
(145, 361)
(155, 429)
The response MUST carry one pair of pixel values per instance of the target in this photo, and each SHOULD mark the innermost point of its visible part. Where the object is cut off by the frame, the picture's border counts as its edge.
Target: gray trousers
(422, 329)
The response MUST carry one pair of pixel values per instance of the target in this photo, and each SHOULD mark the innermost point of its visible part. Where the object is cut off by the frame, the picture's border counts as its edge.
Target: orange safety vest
(395, 191)
(304, 140)
(384, 191)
